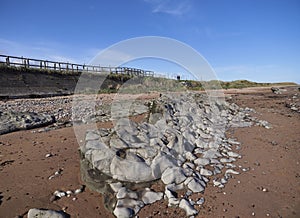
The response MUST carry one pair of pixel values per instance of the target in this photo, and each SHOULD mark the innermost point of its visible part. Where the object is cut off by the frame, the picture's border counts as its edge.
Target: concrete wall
(17, 83)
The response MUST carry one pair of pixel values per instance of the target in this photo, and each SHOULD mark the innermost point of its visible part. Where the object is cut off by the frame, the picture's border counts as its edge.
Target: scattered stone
(48, 155)
(189, 209)
(202, 161)
(41, 213)
(263, 123)
(149, 197)
(200, 201)
(79, 190)
(233, 154)
(277, 90)
(231, 171)
(57, 173)
(195, 186)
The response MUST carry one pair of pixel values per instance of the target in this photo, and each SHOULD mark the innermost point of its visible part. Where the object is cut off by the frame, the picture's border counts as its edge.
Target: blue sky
(258, 40)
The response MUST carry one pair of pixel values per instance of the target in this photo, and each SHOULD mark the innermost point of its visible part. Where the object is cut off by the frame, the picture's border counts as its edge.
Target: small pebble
(48, 155)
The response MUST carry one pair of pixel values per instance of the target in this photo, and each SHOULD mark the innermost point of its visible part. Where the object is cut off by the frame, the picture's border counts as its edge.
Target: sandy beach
(269, 188)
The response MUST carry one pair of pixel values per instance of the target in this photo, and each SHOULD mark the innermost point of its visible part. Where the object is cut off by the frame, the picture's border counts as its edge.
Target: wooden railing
(69, 67)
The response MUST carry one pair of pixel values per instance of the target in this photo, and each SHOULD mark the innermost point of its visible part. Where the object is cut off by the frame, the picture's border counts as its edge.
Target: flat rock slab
(13, 121)
(41, 213)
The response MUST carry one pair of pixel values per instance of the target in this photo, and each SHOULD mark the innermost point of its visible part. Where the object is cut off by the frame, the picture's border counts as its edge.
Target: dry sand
(272, 155)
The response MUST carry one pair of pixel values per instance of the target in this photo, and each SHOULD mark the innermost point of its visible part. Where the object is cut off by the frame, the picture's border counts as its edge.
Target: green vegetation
(13, 69)
(237, 84)
(123, 83)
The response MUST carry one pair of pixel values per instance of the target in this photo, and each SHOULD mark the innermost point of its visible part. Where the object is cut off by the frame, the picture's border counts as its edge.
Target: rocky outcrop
(13, 121)
(183, 144)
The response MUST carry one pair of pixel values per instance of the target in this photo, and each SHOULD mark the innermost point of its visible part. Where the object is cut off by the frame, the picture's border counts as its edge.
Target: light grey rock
(41, 213)
(172, 201)
(189, 209)
(186, 133)
(12, 121)
(135, 205)
(211, 153)
(195, 186)
(116, 186)
(173, 175)
(92, 135)
(206, 172)
(202, 161)
(117, 143)
(161, 162)
(93, 144)
(123, 212)
(126, 193)
(130, 170)
(227, 160)
(190, 156)
(149, 197)
(200, 201)
(101, 159)
(232, 154)
(231, 171)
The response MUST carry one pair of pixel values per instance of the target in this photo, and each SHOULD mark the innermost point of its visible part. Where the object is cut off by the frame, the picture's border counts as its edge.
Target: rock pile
(277, 90)
(12, 121)
(183, 144)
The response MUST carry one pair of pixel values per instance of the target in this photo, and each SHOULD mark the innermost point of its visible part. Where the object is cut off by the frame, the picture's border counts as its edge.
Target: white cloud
(175, 8)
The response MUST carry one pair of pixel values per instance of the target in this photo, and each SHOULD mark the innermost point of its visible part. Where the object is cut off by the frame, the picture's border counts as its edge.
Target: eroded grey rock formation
(12, 121)
(183, 144)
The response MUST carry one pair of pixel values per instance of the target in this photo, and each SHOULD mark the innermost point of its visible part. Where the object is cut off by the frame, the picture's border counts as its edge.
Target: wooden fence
(69, 67)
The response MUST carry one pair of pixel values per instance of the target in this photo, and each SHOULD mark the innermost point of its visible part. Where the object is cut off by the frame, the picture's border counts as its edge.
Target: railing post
(7, 61)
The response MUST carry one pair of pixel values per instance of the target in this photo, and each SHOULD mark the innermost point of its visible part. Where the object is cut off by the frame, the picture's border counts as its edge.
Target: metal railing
(69, 67)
